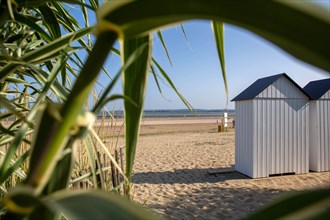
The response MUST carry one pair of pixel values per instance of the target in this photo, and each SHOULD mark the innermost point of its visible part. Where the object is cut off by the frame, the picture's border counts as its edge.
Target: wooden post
(113, 175)
(221, 128)
(98, 176)
(105, 165)
(121, 159)
(117, 172)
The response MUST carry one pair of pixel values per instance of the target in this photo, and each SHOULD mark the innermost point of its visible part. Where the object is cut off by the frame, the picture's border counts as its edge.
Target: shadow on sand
(187, 176)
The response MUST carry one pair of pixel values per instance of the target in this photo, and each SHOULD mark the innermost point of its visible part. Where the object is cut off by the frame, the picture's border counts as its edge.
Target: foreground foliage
(40, 40)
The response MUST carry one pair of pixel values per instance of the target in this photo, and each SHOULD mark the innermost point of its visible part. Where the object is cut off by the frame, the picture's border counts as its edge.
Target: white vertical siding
(272, 132)
(244, 137)
(320, 134)
(281, 145)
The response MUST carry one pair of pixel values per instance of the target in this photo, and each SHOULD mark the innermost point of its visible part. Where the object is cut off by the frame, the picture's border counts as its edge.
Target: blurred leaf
(301, 205)
(34, 3)
(49, 81)
(20, 201)
(48, 124)
(28, 21)
(16, 80)
(15, 166)
(302, 29)
(15, 109)
(62, 172)
(95, 205)
(50, 21)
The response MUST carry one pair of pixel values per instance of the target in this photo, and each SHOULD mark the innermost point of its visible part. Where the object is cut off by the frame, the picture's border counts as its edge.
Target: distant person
(233, 123)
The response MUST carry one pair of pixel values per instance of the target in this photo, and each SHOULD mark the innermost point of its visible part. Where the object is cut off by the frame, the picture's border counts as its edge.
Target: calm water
(179, 113)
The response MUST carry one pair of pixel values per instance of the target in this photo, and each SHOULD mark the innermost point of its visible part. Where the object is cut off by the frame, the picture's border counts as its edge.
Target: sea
(172, 113)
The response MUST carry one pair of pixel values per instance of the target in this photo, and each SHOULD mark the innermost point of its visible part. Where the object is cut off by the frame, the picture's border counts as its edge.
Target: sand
(171, 173)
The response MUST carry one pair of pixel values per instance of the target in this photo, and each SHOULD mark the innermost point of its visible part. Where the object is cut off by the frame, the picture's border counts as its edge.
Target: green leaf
(50, 21)
(218, 32)
(184, 33)
(95, 205)
(45, 51)
(62, 172)
(300, 28)
(48, 81)
(134, 81)
(153, 71)
(167, 78)
(301, 205)
(65, 16)
(34, 3)
(160, 36)
(15, 166)
(16, 80)
(118, 96)
(28, 21)
(58, 136)
(19, 202)
(47, 127)
(127, 64)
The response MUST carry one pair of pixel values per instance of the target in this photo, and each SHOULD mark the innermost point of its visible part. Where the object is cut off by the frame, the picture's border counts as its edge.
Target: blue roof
(258, 86)
(316, 89)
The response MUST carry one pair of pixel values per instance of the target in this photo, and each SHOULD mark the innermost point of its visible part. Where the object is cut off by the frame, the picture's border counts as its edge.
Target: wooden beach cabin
(272, 128)
(319, 133)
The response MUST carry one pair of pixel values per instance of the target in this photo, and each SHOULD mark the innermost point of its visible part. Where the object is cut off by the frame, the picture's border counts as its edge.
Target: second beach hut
(272, 128)
(319, 134)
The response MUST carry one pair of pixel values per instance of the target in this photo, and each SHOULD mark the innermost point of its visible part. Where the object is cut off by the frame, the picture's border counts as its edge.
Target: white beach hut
(319, 133)
(272, 128)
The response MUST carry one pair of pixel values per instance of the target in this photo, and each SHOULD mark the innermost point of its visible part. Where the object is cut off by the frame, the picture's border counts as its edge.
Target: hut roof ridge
(258, 86)
(316, 89)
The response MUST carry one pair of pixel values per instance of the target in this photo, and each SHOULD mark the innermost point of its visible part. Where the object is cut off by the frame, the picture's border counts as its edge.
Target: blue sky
(196, 70)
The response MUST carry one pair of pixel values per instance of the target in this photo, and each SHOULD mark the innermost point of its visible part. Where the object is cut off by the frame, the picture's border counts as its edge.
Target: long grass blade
(134, 81)
(153, 72)
(168, 79)
(218, 32)
(160, 36)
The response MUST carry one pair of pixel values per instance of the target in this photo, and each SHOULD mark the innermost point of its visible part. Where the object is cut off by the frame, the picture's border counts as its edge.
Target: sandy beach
(171, 173)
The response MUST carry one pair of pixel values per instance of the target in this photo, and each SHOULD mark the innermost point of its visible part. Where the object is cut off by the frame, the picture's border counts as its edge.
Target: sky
(196, 70)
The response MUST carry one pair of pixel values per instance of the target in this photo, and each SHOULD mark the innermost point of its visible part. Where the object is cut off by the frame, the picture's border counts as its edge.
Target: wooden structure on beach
(319, 133)
(272, 128)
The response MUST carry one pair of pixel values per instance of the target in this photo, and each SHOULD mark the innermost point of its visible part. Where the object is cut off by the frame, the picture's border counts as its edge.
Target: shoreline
(159, 126)
(169, 121)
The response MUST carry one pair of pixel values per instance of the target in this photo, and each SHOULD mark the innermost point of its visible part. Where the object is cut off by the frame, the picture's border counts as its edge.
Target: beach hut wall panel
(319, 151)
(272, 128)
(244, 141)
